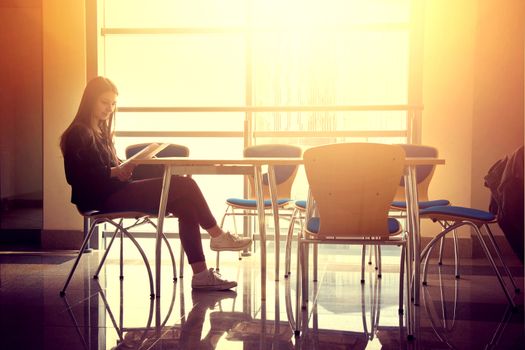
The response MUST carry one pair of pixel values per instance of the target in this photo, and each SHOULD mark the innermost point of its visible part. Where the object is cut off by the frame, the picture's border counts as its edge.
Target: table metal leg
(413, 224)
(262, 226)
(275, 212)
(160, 226)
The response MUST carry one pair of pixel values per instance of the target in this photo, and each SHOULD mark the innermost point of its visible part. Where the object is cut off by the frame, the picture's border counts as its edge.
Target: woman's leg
(185, 191)
(187, 203)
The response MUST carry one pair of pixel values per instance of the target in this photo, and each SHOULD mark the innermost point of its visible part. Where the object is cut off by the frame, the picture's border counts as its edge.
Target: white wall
(448, 88)
(20, 100)
(64, 59)
(472, 93)
(455, 112)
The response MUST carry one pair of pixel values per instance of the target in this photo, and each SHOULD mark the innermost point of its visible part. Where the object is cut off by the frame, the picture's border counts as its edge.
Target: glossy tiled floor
(469, 313)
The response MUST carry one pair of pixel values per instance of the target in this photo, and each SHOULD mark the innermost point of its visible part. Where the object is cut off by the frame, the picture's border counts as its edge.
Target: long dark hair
(94, 88)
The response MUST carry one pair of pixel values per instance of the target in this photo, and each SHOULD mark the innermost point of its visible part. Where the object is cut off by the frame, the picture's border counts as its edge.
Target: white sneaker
(229, 241)
(211, 280)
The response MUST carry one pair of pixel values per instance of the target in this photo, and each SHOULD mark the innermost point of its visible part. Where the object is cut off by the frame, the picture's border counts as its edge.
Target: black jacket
(88, 170)
(505, 181)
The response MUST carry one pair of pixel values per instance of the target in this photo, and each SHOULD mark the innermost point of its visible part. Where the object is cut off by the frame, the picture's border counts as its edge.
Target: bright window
(170, 58)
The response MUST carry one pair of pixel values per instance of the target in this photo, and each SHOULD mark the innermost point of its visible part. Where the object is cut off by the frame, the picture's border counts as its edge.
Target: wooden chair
(352, 185)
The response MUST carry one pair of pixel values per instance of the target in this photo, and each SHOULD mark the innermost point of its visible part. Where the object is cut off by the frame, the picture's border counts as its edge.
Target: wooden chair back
(284, 174)
(353, 185)
(424, 173)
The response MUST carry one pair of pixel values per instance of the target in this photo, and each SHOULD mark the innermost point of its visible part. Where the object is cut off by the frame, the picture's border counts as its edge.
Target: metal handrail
(298, 108)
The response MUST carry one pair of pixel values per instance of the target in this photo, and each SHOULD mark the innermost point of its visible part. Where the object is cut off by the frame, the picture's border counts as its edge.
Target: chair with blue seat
(424, 174)
(284, 178)
(93, 218)
(478, 220)
(352, 186)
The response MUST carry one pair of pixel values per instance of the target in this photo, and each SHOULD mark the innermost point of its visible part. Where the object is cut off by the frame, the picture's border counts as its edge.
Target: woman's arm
(84, 165)
(122, 172)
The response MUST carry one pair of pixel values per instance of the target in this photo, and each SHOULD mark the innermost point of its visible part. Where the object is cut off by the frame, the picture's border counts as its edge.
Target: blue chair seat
(300, 204)
(252, 203)
(458, 213)
(394, 226)
(422, 204)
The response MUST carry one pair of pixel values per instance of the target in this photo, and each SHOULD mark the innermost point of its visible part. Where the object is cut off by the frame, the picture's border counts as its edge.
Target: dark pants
(185, 201)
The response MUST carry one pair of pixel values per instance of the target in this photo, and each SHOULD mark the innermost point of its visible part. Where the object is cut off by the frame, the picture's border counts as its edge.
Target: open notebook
(147, 152)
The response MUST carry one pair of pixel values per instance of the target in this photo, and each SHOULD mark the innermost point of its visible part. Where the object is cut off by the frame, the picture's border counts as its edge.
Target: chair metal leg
(106, 252)
(428, 248)
(288, 303)
(425, 265)
(408, 312)
(306, 250)
(233, 215)
(363, 253)
(121, 253)
(217, 260)
(445, 224)
(170, 251)
(224, 216)
(304, 274)
(491, 259)
(425, 253)
(181, 257)
(288, 249)
(112, 317)
(498, 253)
(217, 257)
(441, 246)
(378, 261)
(401, 281)
(363, 311)
(172, 257)
(82, 248)
(315, 262)
(456, 252)
(137, 245)
(87, 225)
(377, 307)
(298, 284)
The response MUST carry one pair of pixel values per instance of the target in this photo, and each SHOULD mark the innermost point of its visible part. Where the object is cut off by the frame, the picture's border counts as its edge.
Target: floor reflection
(446, 315)
(109, 313)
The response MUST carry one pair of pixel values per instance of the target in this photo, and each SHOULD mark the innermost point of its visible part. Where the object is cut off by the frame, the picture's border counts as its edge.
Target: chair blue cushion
(300, 204)
(282, 172)
(418, 151)
(422, 204)
(313, 225)
(252, 203)
(459, 213)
